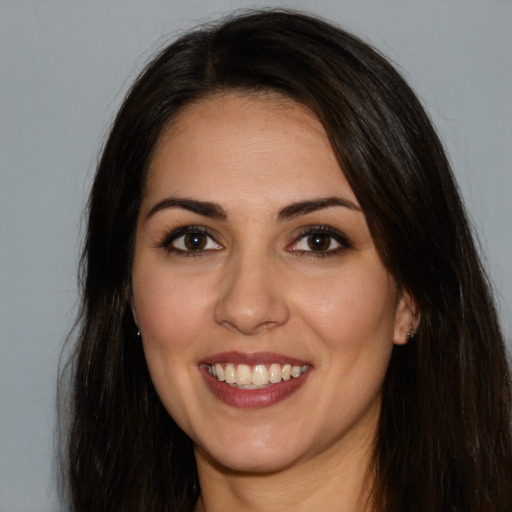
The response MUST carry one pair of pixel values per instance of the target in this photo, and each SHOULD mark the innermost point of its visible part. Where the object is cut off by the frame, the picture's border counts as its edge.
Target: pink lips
(252, 358)
(252, 398)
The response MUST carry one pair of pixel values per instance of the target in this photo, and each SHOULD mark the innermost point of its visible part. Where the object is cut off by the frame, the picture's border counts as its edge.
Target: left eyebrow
(304, 207)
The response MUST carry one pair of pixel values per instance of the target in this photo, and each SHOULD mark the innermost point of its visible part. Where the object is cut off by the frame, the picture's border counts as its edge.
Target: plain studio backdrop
(65, 66)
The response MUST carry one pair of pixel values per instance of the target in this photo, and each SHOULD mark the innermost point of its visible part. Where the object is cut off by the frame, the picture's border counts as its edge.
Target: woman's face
(266, 314)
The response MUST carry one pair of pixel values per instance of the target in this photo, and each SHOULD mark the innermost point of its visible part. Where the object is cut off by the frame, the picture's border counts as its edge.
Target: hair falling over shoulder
(444, 439)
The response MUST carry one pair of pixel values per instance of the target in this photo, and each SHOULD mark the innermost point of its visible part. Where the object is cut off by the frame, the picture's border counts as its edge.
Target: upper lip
(252, 358)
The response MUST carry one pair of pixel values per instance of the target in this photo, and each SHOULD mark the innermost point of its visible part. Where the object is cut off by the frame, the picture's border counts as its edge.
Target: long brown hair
(444, 441)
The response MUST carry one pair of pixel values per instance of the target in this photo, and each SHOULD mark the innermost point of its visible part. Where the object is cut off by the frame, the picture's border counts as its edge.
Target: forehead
(236, 108)
(259, 146)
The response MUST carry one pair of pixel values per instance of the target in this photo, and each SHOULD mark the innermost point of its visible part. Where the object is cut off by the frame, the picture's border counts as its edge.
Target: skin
(258, 286)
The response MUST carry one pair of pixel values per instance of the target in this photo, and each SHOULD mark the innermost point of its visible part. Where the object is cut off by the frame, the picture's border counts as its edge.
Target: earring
(411, 334)
(138, 334)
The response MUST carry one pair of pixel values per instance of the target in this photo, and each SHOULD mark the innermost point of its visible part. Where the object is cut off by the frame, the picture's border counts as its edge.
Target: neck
(330, 481)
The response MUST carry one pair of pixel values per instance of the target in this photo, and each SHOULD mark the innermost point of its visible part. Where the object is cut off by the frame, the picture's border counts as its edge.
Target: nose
(252, 297)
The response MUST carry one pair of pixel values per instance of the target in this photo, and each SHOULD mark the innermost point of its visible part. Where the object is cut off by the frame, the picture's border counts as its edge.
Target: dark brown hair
(443, 439)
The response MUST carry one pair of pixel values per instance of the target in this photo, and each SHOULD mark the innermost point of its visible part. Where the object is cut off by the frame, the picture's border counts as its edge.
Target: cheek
(350, 310)
(172, 312)
(171, 309)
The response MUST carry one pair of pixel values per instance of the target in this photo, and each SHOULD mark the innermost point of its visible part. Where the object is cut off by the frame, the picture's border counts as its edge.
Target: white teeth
(251, 377)
(243, 375)
(275, 374)
(260, 375)
(229, 374)
(220, 372)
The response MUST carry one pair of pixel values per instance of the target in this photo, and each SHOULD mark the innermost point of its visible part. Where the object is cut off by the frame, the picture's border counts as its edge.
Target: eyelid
(338, 236)
(335, 234)
(168, 239)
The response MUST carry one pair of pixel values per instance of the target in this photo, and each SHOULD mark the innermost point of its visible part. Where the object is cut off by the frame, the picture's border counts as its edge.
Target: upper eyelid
(302, 232)
(338, 236)
(324, 229)
(178, 232)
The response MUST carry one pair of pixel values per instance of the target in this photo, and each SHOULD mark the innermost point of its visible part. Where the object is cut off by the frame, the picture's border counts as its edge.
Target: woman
(283, 306)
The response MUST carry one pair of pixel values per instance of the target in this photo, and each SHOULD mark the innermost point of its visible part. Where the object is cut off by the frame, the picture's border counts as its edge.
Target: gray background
(65, 66)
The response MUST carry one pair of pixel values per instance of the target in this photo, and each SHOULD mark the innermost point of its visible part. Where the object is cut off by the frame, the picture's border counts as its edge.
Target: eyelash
(339, 237)
(333, 234)
(176, 234)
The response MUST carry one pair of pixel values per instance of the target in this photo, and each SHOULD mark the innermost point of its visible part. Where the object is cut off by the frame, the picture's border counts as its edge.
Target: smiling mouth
(257, 376)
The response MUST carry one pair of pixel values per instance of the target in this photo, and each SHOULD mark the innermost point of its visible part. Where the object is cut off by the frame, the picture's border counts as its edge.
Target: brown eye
(319, 242)
(190, 239)
(195, 241)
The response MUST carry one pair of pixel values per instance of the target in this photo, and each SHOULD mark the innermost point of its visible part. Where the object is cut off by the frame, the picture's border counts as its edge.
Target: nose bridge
(251, 298)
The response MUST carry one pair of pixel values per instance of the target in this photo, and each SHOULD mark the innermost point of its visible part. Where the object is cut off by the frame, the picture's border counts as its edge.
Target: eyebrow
(304, 207)
(204, 208)
(215, 211)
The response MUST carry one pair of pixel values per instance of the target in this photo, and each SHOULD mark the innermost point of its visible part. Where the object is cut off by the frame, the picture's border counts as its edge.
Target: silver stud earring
(138, 334)
(411, 334)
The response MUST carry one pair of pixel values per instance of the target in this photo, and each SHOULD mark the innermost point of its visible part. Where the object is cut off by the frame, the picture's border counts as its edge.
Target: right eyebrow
(205, 208)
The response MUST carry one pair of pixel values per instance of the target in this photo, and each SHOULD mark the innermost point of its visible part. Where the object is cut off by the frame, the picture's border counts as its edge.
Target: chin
(249, 457)
(262, 464)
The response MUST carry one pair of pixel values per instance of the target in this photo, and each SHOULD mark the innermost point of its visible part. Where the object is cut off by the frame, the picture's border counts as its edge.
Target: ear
(407, 315)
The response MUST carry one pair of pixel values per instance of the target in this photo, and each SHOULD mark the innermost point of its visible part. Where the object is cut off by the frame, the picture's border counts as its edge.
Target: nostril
(250, 314)
(249, 327)
(251, 299)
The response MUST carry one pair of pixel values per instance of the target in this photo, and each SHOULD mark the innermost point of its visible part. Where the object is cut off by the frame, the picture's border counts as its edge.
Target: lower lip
(253, 398)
